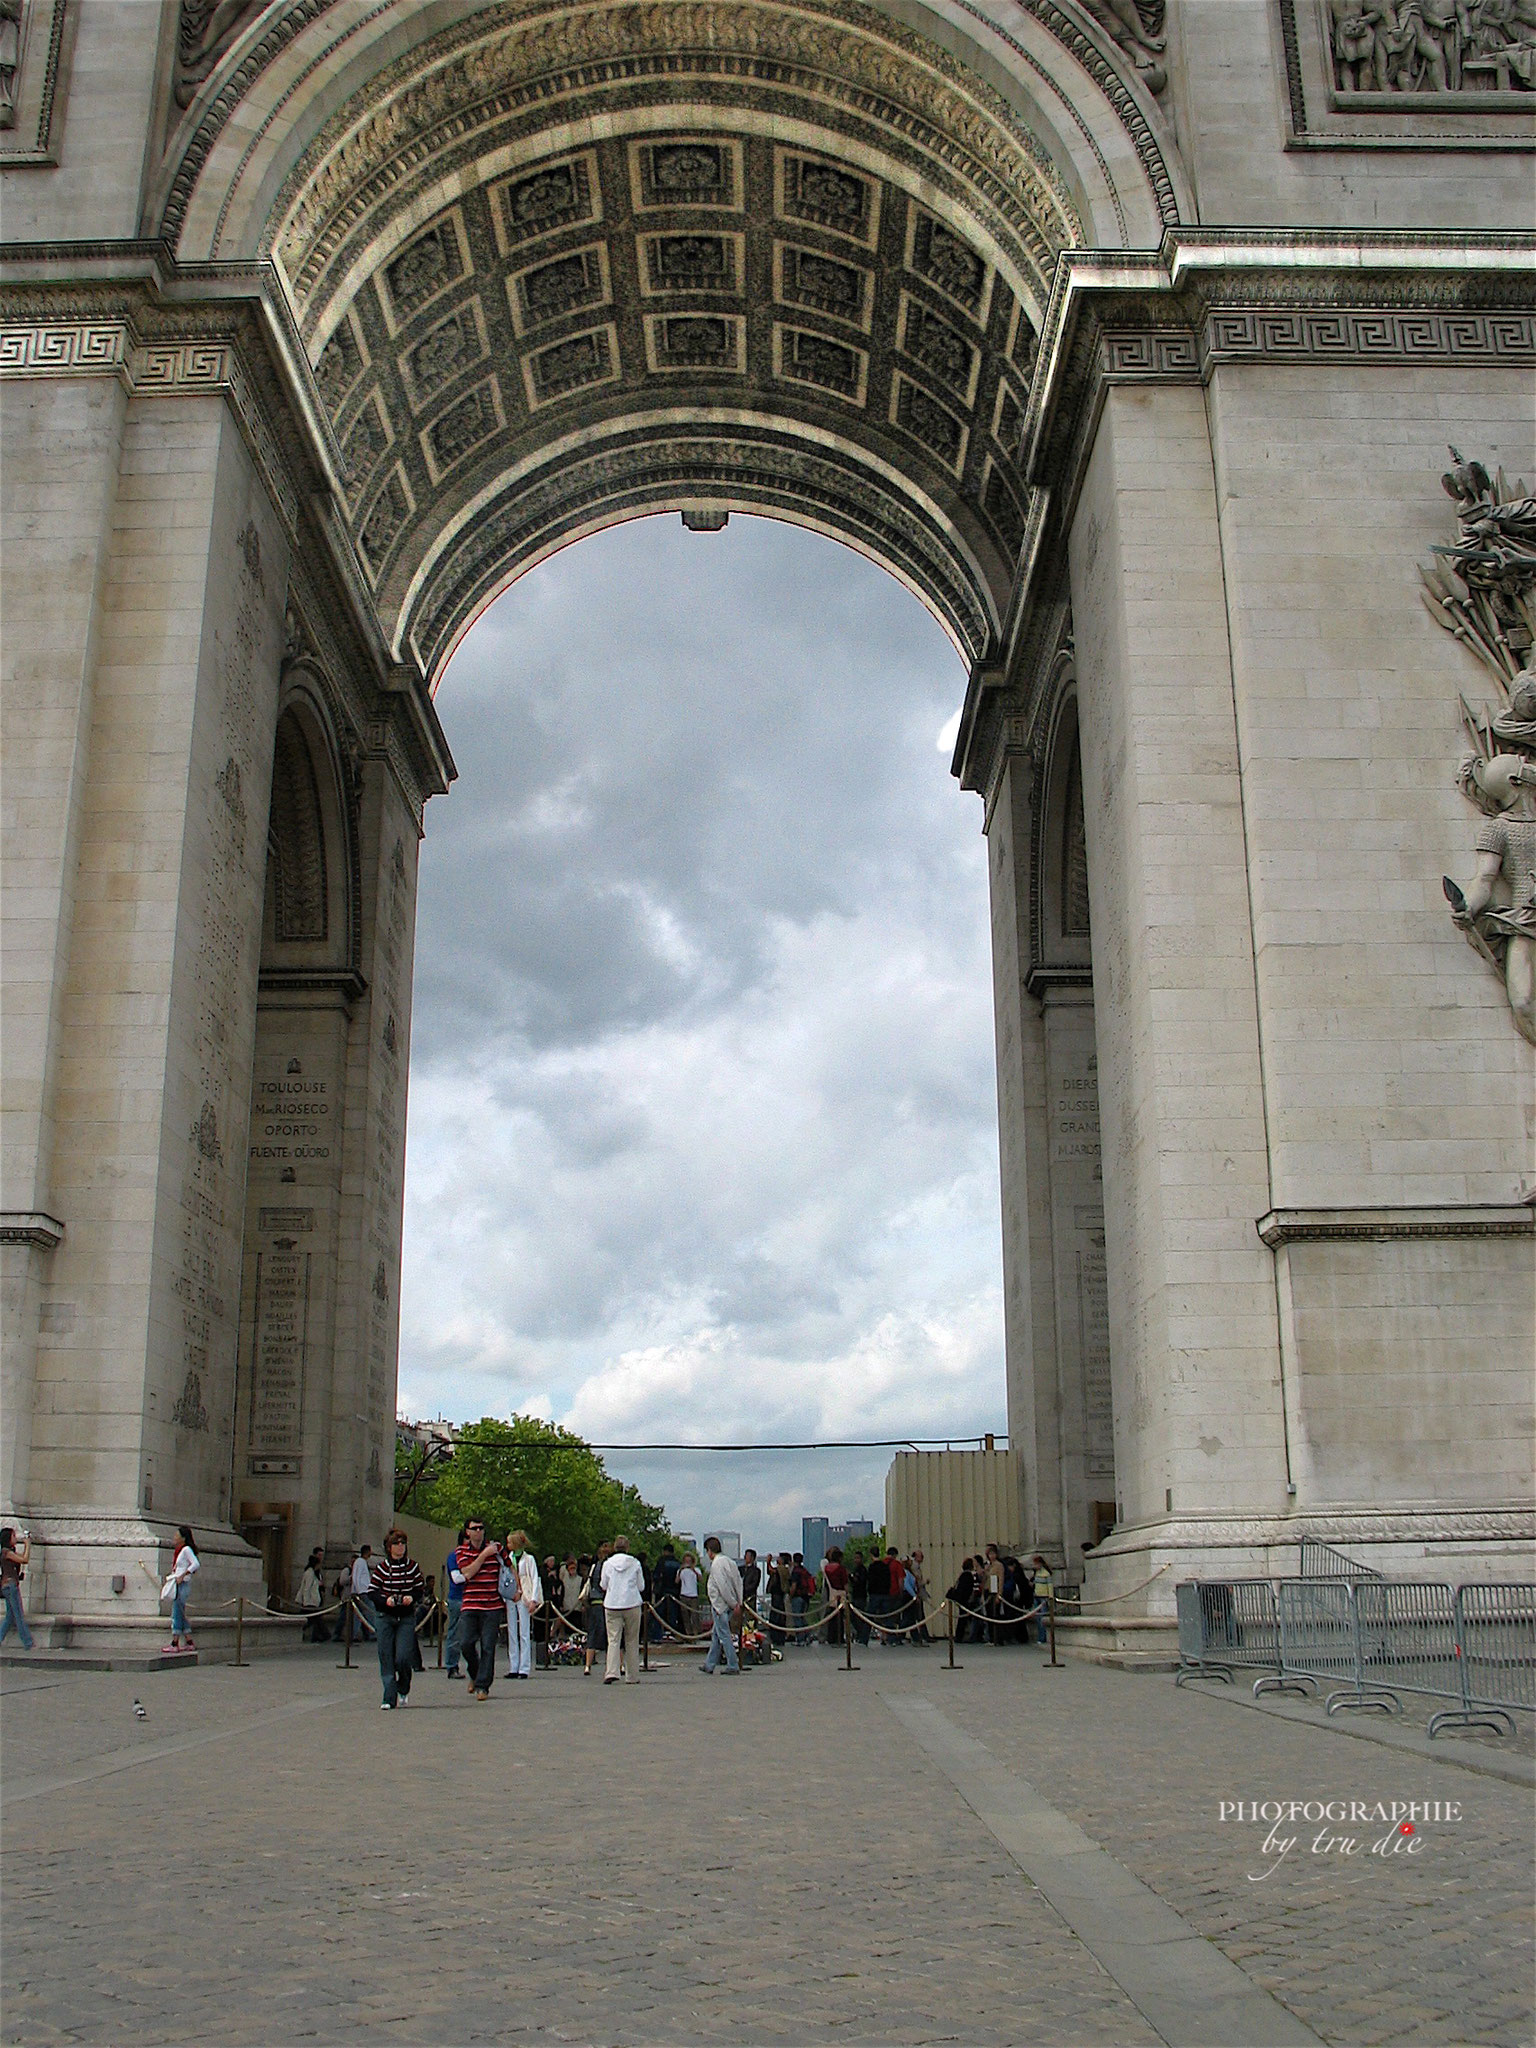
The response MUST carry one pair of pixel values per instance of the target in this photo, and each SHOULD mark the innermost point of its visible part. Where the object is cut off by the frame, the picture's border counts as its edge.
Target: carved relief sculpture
(1483, 591)
(205, 32)
(1138, 29)
(10, 59)
(1432, 46)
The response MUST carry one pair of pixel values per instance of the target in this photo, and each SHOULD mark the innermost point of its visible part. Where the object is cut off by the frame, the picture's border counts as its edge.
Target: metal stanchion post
(346, 1634)
(846, 1610)
(645, 1640)
(949, 1610)
(239, 1631)
(1050, 1623)
(442, 1628)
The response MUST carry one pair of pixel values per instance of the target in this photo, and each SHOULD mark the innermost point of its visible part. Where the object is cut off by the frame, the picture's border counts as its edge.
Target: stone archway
(363, 310)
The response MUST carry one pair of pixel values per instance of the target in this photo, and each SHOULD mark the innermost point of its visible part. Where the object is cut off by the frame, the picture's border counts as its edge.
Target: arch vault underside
(557, 265)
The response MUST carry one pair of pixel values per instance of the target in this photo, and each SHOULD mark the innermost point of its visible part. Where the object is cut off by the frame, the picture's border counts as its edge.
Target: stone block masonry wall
(1411, 1362)
(62, 443)
(1198, 1415)
(373, 1176)
(1394, 1072)
(1034, 1421)
(135, 1376)
(1079, 1263)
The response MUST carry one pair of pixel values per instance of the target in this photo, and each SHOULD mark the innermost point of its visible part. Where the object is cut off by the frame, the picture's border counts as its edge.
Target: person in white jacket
(183, 1564)
(724, 1590)
(623, 1582)
(523, 1591)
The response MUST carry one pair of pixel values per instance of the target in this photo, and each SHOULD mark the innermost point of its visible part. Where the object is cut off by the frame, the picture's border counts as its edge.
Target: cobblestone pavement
(266, 1859)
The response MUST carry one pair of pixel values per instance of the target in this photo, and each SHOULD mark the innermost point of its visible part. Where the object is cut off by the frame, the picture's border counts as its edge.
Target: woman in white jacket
(523, 1591)
(184, 1563)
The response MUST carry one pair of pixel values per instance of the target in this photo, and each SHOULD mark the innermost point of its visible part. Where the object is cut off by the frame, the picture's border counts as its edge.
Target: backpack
(801, 1584)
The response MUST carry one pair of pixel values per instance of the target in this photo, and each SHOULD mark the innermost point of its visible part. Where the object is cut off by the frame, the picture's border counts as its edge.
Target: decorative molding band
(30, 1226)
(327, 987)
(1447, 1523)
(1312, 1226)
(63, 348)
(1364, 335)
(1150, 355)
(1271, 334)
(1044, 981)
(103, 348)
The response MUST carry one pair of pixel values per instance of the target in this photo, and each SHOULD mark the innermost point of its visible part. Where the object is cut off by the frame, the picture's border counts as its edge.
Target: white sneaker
(386, 1706)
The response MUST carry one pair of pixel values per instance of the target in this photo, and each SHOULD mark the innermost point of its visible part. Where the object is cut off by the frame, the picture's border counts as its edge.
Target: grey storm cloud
(702, 1127)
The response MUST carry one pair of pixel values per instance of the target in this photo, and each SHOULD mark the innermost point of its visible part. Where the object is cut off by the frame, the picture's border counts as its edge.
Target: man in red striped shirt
(480, 1613)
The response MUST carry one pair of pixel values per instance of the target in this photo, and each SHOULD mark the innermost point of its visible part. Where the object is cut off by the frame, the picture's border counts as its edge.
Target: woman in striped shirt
(399, 1595)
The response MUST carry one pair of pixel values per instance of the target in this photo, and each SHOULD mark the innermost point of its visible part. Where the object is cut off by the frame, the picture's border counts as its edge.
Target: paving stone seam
(1184, 1986)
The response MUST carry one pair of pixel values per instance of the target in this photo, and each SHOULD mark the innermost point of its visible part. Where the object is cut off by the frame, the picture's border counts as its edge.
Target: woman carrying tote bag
(184, 1563)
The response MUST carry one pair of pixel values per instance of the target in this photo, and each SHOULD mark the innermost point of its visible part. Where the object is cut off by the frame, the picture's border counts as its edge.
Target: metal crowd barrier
(1224, 1625)
(1496, 1638)
(1372, 1640)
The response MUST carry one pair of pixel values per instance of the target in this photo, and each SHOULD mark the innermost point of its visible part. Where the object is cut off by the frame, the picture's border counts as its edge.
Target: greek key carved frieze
(93, 348)
(1150, 354)
(1364, 335)
(53, 349)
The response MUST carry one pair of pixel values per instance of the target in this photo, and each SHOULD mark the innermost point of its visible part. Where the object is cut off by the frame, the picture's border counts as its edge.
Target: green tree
(528, 1474)
(860, 1549)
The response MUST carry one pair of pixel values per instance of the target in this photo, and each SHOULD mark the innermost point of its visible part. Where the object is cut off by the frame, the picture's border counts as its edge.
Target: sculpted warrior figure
(1504, 789)
(1354, 44)
(1483, 590)
(10, 59)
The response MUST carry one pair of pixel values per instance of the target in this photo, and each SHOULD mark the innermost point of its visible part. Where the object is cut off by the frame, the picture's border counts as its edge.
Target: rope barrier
(1116, 1597)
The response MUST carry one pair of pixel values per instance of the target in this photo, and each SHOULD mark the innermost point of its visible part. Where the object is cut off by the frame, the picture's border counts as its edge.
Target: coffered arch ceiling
(558, 265)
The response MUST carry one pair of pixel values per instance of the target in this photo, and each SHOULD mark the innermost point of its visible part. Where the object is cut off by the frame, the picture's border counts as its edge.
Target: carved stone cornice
(1392, 298)
(161, 329)
(1409, 1522)
(1210, 300)
(30, 1226)
(1381, 1226)
(152, 353)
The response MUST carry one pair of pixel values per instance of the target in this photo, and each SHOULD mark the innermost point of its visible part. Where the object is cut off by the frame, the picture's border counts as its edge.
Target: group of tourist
(609, 1591)
(599, 1604)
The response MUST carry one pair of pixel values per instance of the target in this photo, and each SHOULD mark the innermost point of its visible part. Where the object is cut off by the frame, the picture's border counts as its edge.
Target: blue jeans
(14, 1617)
(397, 1647)
(721, 1643)
(478, 1627)
(451, 1646)
(797, 1614)
(519, 1640)
(179, 1610)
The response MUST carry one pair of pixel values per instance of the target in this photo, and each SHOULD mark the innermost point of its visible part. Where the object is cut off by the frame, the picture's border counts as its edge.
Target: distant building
(951, 1504)
(818, 1536)
(728, 1539)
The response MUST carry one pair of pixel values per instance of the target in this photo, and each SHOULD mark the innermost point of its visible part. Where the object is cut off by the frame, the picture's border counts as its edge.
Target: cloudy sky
(702, 1138)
